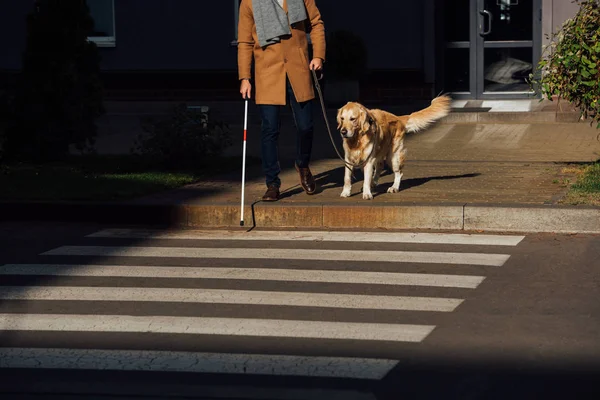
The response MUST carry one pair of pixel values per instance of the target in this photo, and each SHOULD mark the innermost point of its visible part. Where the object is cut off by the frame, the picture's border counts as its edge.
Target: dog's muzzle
(345, 134)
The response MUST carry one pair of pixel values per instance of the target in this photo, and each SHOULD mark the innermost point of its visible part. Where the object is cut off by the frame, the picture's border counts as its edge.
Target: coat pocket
(304, 58)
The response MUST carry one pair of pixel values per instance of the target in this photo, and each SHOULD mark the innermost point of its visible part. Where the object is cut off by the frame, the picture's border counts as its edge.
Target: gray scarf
(271, 20)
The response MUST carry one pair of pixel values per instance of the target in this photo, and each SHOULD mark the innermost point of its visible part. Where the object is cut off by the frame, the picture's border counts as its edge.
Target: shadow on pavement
(334, 178)
(430, 381)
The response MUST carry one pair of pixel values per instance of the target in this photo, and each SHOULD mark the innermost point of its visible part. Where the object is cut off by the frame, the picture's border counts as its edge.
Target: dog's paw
(345, 193)
(367, 196)
(392, 189)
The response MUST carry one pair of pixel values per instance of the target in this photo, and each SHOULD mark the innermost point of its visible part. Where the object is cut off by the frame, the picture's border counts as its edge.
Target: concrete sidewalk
(442, 195)
(494, 177)
(511, 164)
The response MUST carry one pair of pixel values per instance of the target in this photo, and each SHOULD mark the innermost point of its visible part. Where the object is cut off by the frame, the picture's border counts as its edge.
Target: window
(103, 13)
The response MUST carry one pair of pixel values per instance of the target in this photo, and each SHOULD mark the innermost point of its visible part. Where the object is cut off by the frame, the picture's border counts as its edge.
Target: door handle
(490, 17)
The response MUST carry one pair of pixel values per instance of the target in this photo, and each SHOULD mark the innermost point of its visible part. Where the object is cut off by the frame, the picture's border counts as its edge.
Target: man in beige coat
(274, 34)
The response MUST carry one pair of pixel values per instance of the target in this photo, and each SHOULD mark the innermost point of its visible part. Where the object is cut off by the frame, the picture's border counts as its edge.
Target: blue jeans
(271, 124)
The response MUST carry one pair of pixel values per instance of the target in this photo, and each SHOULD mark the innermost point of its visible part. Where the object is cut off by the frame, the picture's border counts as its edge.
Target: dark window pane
(511, 19)
(506, 70)
(456, 20)
(457, 70)
(103, 14)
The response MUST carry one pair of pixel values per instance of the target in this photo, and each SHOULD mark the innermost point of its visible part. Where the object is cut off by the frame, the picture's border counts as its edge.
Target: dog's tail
(439, 108)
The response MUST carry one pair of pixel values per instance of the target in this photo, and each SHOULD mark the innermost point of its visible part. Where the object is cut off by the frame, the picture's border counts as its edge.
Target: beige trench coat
(288, 57)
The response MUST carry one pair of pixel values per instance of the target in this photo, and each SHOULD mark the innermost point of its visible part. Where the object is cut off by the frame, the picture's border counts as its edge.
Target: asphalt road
(120, 313)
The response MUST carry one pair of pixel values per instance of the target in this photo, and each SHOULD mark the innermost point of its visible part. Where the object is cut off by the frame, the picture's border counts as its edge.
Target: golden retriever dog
(372, 136)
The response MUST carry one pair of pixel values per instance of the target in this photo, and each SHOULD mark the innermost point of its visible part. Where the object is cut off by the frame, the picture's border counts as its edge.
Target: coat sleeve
(245, 40)
(317, 32)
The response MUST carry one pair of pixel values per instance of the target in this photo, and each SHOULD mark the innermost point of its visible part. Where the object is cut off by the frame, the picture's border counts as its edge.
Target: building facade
(475, 49)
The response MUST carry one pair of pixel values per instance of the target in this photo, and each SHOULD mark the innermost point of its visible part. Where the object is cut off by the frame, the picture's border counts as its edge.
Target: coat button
(285, 60)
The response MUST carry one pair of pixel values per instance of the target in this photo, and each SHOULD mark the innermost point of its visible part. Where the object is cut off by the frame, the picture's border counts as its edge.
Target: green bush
(572, 69)
(346, 55)
(183, 138)
(58, 95)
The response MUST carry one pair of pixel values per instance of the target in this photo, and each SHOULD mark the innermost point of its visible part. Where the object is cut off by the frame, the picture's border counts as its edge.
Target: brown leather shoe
(307, 180)
(272, 193)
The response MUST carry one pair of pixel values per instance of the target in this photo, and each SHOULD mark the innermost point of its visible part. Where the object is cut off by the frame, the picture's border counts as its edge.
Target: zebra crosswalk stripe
(216, 326)
(317, 236)
(253, 274)
(485, 259)
(171, 361)
(228, 296)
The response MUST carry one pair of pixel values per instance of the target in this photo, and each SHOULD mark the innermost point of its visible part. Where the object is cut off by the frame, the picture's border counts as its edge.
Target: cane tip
(241, 223)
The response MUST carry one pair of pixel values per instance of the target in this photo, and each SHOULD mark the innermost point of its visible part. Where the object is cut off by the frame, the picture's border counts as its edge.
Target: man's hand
(316, 64)
(245, 88)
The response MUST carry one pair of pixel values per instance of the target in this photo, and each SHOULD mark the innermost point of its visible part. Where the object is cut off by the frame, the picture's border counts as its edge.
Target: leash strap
(324, 111)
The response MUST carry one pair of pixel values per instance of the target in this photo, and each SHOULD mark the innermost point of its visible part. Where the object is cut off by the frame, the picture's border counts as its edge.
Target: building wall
(185, 35)
(168, 34)
(554, 13)
(392, 30)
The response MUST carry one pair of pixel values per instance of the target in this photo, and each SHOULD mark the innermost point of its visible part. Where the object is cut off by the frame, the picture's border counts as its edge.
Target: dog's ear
(365, 119)
(338, 118)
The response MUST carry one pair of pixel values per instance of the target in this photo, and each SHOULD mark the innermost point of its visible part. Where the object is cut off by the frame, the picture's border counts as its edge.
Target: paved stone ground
(423, 182)
(513, 163)
(553, 142)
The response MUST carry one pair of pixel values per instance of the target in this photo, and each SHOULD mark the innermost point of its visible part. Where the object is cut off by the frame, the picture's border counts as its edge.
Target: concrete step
(471, 112)
(533, 117)
(431, 216)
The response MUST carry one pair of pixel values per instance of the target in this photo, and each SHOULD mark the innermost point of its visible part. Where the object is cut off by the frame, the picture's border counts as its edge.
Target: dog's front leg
(347, 182)
(368, 173)
(378, 168)
(397, 166)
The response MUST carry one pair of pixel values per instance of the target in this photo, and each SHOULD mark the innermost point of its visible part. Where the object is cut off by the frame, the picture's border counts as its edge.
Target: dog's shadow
(334, 178)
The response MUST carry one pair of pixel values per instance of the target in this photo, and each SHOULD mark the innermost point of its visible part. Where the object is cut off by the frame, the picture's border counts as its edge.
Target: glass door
(508, 46)
(459, 54)
(490, 47)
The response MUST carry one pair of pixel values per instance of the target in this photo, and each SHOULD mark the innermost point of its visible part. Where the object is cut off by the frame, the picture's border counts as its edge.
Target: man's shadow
(325, 180)
(334, 178)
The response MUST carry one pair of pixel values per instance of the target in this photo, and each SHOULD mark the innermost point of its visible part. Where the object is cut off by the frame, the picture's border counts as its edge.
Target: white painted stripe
(437, 134)
(259, 274)
(499, 136)
(159, 390)
(459, 103)
(504, 106)
(284, 254)
(229, 296)
(316, 236)
(239, 392)
(215, 326)
(168, 361)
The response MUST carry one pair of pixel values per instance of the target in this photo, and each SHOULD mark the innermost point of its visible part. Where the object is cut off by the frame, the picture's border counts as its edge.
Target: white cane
(244, 161)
